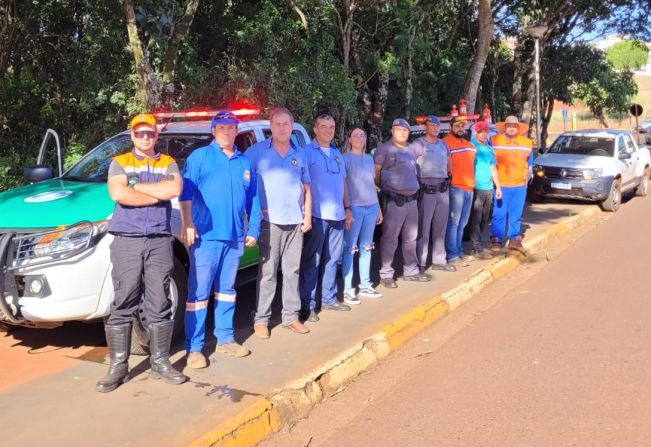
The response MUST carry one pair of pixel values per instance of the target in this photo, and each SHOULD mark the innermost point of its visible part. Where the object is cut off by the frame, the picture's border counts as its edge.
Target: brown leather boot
(515, 244)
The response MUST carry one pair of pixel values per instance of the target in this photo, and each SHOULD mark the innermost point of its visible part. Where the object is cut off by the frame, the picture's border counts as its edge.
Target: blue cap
(401, 122)
(433, 119)
(224, 117)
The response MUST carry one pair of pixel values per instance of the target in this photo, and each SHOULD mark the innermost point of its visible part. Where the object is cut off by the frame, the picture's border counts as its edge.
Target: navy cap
(224, 117)
(433, 119)
(401, 122)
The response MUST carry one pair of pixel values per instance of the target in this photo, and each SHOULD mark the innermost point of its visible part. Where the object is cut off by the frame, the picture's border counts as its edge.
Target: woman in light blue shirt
(363, 199)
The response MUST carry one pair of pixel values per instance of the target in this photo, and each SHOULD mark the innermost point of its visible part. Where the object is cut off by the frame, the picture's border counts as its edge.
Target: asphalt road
(558, 353)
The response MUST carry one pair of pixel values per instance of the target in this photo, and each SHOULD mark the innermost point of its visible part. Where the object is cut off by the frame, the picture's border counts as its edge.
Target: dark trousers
(480, 219)
(399, 221)
(141, 264)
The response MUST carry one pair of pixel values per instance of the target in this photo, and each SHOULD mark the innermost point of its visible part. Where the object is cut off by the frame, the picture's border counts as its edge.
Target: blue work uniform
(222, 191)
(281, 183)
(324, 243)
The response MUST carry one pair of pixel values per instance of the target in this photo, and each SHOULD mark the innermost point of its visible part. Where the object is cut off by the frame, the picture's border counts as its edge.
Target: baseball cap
(458, 119)
(224, 117)
(401, 122)
(480, 126)
(433, 119)
(143, 118)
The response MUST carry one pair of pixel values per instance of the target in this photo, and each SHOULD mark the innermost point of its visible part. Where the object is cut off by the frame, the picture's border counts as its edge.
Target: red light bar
(206, 113)
(245, 112)
(421, 119)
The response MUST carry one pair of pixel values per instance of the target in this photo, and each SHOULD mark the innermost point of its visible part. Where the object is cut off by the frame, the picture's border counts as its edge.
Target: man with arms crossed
(141, 182)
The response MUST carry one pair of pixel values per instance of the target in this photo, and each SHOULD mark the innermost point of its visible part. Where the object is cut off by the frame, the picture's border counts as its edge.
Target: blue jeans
(321, 250)
(359, 239)
(460, 206)
(508, 210)
(213, 266)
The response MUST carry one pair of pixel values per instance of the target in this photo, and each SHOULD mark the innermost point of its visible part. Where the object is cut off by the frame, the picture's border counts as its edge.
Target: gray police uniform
(399, 186)
(434, 205)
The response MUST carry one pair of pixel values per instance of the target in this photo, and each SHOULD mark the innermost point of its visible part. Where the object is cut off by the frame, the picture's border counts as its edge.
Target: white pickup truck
(592, 165)
(54, 246)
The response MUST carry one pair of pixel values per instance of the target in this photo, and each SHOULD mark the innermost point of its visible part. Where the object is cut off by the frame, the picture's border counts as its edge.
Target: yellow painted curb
(248, 428)
(268, 415)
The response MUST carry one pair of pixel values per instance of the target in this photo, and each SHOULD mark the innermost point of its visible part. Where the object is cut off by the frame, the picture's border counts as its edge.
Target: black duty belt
(399, 199)
(433, 189)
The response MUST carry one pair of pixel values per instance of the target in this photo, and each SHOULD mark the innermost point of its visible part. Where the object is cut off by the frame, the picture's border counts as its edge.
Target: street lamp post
(537, 33)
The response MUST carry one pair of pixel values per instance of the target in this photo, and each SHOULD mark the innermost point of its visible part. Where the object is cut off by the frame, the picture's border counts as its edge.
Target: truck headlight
(589, 174)
(538, 171)
(69, 241)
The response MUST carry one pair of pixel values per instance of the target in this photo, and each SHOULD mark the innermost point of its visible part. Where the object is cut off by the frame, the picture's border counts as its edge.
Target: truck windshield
(583, 145)
(93, 167)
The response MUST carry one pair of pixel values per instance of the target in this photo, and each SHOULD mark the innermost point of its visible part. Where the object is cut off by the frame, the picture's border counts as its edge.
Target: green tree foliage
(610, 91)
(631, 54)
(69, 64)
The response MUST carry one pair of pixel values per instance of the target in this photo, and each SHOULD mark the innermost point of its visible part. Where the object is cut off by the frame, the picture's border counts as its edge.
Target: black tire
(534, 197)
(614, 199)
(178, 295)
(642, 189)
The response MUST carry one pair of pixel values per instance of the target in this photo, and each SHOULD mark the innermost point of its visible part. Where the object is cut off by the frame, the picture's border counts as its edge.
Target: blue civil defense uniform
(324, 243)
(222, 191)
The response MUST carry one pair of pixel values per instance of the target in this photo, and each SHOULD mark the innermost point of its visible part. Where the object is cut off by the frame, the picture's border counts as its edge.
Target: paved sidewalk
(63, 408)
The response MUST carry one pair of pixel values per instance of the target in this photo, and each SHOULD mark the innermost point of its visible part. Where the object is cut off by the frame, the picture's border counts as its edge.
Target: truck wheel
(534, 197)
(642, 189)
(611, 204)
(178, 295)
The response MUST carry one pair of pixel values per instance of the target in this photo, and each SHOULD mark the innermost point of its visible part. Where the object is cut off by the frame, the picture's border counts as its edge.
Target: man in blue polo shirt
(324, 244)
(218, 187)
(286, 208)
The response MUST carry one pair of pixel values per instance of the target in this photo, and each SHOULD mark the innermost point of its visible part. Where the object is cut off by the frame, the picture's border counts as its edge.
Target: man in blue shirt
(485, 178)
(286, 208)
(324, 244)
(219, 186)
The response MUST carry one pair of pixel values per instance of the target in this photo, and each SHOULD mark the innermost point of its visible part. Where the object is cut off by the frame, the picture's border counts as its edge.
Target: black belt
(399, 198)
(433, 189)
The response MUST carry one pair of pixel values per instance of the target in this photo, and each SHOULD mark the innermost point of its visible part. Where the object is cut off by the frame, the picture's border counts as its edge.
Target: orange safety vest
(462, 162)
(512, 159)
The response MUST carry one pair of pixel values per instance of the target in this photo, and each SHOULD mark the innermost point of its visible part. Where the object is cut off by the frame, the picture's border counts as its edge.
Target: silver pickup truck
(592, 165)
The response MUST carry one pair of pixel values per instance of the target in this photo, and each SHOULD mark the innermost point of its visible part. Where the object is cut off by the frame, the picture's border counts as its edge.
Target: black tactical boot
(160, 337)
(118, 339)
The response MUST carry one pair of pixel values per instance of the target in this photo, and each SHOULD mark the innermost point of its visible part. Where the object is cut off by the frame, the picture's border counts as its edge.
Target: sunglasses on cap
(145, 133)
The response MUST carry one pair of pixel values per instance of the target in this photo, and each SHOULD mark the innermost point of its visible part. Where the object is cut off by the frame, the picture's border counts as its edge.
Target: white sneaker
(369, 292)
(351, 298)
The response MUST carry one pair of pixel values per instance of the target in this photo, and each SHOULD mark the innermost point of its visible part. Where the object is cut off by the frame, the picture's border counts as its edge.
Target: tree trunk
(10, 34)
(518, 73)
(345, 24)
(484, 38)
(149, 89)
(154, 91)
(171, 54)
(376, 118)
(409, 72)
(548, 106)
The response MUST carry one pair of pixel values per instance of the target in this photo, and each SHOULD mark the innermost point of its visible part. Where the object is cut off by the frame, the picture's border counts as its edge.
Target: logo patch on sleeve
(247, 175)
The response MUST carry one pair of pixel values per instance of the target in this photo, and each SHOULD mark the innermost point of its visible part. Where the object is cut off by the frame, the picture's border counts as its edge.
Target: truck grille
(563, 173)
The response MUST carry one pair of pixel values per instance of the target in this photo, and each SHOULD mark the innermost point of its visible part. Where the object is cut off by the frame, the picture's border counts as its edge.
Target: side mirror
(542, 150)
(37, 173)
(624, 155)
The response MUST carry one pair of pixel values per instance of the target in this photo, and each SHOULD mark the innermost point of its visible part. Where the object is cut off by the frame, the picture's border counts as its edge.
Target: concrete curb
(285, 407)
